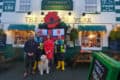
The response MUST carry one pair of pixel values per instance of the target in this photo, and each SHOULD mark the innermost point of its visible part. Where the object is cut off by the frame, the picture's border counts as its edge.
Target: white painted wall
(36, 5)
(79, 8)
(106, 18)
(9, 34)
(13, 18)
(109, 27)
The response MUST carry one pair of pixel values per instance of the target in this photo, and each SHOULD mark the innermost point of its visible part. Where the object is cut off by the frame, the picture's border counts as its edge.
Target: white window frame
(92, 6)
(23, 5)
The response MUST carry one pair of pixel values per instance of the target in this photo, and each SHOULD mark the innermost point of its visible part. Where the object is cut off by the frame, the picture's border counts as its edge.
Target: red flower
(52, 19)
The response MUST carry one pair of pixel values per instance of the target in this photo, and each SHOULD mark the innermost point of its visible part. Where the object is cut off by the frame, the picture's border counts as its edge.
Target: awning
(21, 27)
(92, 28)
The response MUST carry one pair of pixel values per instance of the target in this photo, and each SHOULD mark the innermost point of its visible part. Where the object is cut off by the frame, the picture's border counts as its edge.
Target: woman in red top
(49, 49)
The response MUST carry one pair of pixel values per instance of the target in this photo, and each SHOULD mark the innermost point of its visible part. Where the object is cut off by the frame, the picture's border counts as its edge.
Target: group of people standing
(35, 46)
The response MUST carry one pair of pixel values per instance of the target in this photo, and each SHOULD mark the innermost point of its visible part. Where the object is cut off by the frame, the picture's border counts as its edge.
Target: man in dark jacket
(38, 49)
(29, 54)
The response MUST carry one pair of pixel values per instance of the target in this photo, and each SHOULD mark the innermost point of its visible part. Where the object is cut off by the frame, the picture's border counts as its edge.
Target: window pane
(25, 5)
(91, 6)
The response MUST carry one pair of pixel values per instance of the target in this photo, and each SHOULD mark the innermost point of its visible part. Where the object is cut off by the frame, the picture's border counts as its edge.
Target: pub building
(94, 20)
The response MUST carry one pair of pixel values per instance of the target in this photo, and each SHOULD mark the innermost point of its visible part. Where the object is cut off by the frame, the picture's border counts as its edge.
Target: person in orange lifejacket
(49, 49)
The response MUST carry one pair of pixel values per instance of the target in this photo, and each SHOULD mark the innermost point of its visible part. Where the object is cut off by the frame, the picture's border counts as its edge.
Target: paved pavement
(15, 72)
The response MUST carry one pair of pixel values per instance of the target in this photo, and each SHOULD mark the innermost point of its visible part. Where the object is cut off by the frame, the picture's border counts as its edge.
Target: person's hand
(30, 54)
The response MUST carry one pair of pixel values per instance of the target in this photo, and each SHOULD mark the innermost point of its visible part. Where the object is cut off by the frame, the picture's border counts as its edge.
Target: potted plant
(114, 40)
(113, 35)
(74, 35)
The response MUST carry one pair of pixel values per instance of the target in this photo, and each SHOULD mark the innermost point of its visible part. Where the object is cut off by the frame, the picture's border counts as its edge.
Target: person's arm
(26, 47)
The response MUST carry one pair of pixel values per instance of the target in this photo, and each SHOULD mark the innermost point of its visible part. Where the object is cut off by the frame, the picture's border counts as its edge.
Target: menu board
(99, 71)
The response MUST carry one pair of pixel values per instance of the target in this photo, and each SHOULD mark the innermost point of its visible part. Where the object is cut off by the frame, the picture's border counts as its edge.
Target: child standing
(60, 50)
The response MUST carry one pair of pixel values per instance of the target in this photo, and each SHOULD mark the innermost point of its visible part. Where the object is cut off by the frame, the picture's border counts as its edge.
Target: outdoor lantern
(69, 13)
(28, 13)
(83, 14)
(42, 13)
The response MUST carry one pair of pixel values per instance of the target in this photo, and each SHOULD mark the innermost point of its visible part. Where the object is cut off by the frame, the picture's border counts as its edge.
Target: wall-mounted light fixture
(42, 13)
(69, 13)
(83, 14)
(29, 13)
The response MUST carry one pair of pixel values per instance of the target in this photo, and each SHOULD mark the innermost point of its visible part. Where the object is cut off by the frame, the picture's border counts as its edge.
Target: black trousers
(60, 56)
(29, 63)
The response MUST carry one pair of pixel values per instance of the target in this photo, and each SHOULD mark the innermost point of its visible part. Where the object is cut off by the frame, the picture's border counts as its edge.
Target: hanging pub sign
(103, 67)
(107, 5)
(9, 5)
(57, 5)
(52, 19)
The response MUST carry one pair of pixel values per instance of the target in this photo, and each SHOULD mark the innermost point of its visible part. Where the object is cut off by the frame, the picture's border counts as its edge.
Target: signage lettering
(9, 5)
(31, 20)
(99, 71)
(107, 5)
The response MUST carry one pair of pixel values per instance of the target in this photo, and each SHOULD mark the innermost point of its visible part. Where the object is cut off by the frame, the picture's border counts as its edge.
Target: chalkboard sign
(2, 41)
(99, 71)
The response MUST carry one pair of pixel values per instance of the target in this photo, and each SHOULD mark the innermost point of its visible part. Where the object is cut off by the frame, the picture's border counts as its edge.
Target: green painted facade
(21, 27)
(71, 52)
(117, 10)
(117, 18)
(18, 53)
(9, 5)
(10, 53)
(92, 28)
(117, 2)
(107, 5)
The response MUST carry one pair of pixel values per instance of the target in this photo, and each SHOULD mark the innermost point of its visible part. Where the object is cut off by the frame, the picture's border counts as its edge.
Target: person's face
(59, 37)
(48, 37)
(38, 34)
(31, 36)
